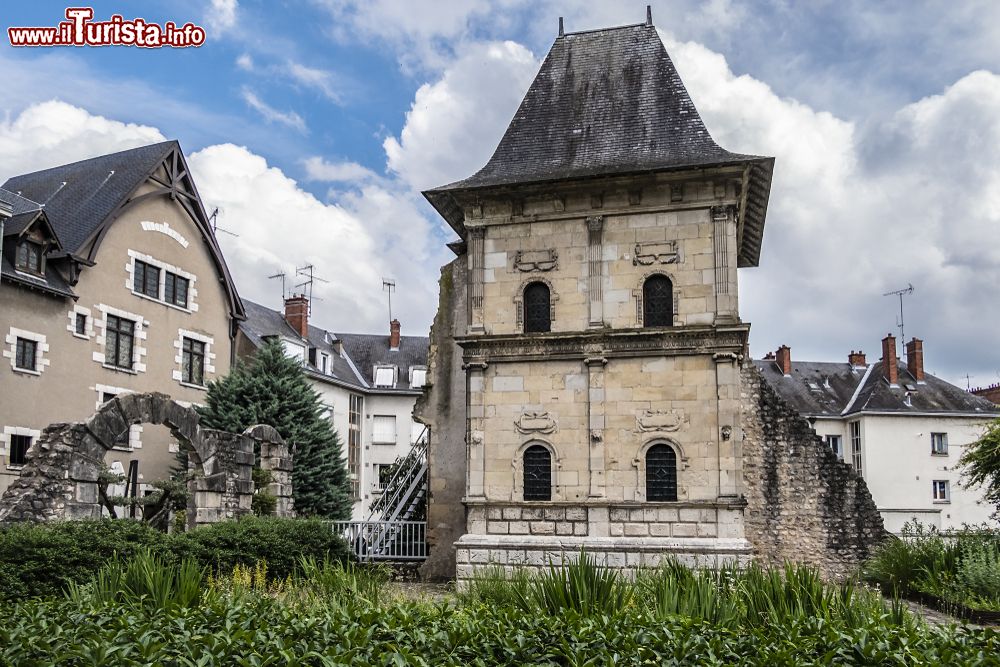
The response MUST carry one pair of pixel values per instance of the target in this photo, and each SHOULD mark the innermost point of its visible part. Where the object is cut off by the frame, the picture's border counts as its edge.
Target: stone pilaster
(727, 380)
(595, 251)
(475, 436)
(596, 418)
(477, 238)
(724, 225)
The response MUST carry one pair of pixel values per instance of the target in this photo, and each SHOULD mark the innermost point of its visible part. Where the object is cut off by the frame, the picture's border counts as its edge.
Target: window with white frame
(940, 488)
(856, 459)
(384, 430)
(354, 443)
(193, 364)
(836, 445)
(26, 351)
(381, 476)
(385, 376)
(324, 363)
(418, 377)
(162, 282)
(939, 444)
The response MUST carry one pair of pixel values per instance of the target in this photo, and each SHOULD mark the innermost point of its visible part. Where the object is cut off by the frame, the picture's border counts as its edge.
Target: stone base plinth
(629, 554)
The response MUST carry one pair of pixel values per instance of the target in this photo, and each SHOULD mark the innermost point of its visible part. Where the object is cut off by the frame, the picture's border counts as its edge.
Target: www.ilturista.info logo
(81, 30)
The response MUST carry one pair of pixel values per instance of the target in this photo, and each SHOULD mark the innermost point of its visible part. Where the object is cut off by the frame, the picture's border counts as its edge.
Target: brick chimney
(915, 359)
(297, 313)
(856, 359)
(784, 359)
(890, 369)
(394, 335)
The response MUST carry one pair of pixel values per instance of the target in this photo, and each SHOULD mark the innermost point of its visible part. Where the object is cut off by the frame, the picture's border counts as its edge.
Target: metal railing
(384, 540)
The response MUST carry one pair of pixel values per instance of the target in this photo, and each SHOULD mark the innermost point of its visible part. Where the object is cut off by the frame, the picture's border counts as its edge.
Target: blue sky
(313, 124)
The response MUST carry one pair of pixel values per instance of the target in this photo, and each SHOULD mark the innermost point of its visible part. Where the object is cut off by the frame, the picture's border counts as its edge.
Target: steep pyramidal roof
(607, 102)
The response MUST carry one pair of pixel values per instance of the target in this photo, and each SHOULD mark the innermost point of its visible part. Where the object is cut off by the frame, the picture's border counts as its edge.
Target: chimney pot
(856, 359)
(297, 314)
(915, 359)
(784, 358)
(394, 335)
(890, 367)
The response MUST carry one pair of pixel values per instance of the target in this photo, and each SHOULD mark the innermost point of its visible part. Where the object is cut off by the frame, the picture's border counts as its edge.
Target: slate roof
(607, 102)
(78, 197)
(823, 389)
(361, 351)
(370, 350)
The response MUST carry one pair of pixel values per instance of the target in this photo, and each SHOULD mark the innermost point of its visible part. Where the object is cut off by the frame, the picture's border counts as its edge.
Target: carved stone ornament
(476, 439)
(659, 420)
(535, 422)
(595, 436)
(647, 254)
(727, 432)
(527, 261)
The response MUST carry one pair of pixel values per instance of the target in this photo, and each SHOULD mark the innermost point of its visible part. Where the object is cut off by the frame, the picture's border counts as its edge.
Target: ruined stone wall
(803, 503)
(276, 457)
(442, 408)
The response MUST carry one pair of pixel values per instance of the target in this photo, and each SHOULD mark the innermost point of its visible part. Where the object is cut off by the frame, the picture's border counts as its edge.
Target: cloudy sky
(313, 125)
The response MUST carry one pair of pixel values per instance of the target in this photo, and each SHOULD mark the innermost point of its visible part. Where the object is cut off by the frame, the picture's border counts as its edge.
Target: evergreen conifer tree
(272, 389)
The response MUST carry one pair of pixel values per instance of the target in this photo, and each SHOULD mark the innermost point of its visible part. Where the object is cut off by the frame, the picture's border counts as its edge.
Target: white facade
(902, 471)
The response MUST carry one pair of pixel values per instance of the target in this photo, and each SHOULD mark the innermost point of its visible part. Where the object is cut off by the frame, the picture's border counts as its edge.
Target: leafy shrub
(278, 542)
(39, 560)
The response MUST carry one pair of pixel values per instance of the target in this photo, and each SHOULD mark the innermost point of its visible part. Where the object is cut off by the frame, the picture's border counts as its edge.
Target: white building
(368, 383)
(902, 429)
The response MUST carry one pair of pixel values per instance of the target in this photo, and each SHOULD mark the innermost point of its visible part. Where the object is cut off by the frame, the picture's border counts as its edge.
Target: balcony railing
(384, 540)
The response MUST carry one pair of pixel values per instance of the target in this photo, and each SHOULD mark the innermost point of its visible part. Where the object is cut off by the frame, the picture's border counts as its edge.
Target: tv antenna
(968, 382)
(310, 272)
(901, 293)
(389, 285)
(280, 274)
(213, 220)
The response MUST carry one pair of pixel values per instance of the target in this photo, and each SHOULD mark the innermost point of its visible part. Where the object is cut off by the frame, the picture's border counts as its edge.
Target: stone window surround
(139, 351)
(134, 255)
(637, 295)
(135, 430)
(15, 430)
(71, 327)
(639, 463)
(519, 300)
(178, 373)
(518, 465)
(41, 347)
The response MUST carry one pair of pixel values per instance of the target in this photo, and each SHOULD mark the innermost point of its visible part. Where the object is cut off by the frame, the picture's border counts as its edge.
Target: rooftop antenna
(213, 220)
(310, 272)
(389, 285)
(649, 15)
(968, 382)
(901, 293)
(280, 274)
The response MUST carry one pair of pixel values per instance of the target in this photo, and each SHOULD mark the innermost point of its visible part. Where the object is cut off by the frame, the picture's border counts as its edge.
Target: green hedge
(38, 560)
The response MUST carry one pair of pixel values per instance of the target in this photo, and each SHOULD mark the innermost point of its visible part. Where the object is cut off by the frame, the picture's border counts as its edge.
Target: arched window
(657, 302)
(537, 313)
(661, 473)
(537, 473)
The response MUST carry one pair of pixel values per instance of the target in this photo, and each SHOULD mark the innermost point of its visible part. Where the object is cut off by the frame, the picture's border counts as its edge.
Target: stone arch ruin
(59, 480)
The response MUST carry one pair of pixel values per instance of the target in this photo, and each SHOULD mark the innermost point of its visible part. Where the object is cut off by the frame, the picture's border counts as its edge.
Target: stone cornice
(607, 344)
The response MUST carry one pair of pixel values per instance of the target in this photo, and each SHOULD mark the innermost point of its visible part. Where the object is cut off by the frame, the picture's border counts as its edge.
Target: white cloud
(52, 133)
(315, 79)
(455, 123)
(272, 115)
(318, 169)
(245, 62)
(220, 15)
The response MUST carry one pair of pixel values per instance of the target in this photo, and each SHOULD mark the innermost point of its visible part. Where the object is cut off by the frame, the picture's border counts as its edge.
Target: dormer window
(385, 377)
(418, 377)
(29, 257)
(324, 362)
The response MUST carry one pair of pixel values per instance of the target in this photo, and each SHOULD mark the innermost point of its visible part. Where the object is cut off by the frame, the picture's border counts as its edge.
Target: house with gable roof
(111, 281)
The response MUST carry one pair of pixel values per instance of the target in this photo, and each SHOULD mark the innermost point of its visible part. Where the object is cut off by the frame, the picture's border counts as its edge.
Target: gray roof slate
(370, 350)
(824, 389)
(78, 197)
